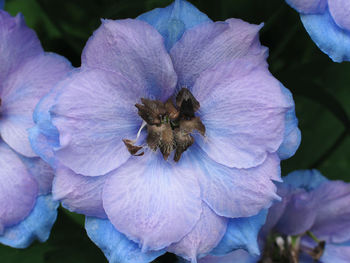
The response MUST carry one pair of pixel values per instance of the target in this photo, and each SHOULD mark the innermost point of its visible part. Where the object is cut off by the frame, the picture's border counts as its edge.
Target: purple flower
(312, 221)
(328, 23)
(27, 211)
(211, 125)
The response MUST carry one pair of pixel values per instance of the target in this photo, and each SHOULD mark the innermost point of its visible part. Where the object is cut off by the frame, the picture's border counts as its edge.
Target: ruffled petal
(161, 198)
(242, 233)
(299, 213)
(340, 11)
(18, 189)
(305, 179)
(239, 256)
(135, 49)
(308, 6)
(243, 109)
(21, 91)
(116, 247)
(328, 36)
(37, 226)
(203, 238)
(18, 43)
(207, 45)
(292, 134)
(333, 215)
(93, 113)
(78, 193)
(235, 192)
(173, 20)
(42, 173)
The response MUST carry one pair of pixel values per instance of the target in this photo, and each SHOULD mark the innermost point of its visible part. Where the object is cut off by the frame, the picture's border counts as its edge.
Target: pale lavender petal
(203, 238)
(78, 193)
(36, 226)
(333, 214)
(308, 6)
(153, 202)
(93, 113)
(18, 43)
(21, 91)
(336, 254)
(243, 110)
(237, 256)
(135, 49)
(41, 171)
(340, 11)
(235, 192)
(18, 189)
(299, 213)
(209, 44)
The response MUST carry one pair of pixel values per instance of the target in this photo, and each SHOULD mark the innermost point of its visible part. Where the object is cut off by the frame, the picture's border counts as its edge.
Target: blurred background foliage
(321, 91)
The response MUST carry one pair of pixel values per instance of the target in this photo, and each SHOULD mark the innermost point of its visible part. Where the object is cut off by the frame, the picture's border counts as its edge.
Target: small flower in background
(191, 167)
(27, 210)
(328, 24)
(311, 224)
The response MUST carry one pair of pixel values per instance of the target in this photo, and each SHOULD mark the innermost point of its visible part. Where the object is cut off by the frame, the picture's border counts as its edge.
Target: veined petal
(18, 43)
(308, 6)
(78, 193)
(116, 247)
(243, 110)
(42, 173)
(93, 113)
(328, 36)
(241, 233)
(18, 188)
(203, 238)
(21, 91)
(234, 192)
(340, 11)
(37, 226)
(333, 214)
(161, 198)
(173, 20)
(136, 50)
(207, 45)
(292, 134)
(239, 256)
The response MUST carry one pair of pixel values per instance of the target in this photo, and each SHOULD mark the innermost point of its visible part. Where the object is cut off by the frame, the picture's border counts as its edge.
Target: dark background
(320, 87)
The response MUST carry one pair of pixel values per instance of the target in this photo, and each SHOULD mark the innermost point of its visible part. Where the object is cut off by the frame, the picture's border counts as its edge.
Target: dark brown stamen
(169, 127)
(133, 149)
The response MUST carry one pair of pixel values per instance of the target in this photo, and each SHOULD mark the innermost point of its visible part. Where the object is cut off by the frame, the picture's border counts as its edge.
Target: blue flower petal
(2, 4)
(241, 233)
(329, 37)
(116, 247)
(292, 134)
(306, 179)
(173, 20)
(36, 226)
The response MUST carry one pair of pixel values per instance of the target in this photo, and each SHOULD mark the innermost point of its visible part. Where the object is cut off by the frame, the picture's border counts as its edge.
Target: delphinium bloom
(27, 210)
(311, 224)
(169, 136)
(328, 23)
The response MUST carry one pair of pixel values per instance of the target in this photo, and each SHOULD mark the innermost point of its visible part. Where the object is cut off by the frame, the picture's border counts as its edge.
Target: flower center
(169, 125)
(287, 249)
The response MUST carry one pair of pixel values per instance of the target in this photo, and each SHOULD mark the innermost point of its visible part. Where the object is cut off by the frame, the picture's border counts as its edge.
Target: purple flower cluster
(310, 224)
(27, 73)
(328, 23)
